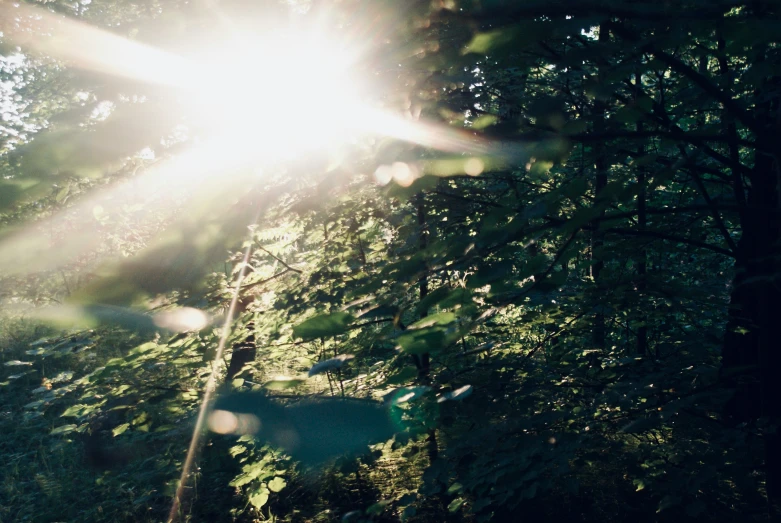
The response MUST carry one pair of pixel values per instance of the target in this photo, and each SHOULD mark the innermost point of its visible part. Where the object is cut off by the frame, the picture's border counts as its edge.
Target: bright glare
(254, 100)
(279, 95)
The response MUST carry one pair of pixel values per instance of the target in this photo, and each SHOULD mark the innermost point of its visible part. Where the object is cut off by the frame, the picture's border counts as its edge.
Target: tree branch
(278, 259)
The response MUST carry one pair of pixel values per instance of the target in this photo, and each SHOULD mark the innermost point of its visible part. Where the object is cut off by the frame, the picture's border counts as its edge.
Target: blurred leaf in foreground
(312, 431)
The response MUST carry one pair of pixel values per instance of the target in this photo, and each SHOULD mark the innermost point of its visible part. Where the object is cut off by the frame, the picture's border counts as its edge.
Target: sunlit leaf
(260, 498)
(120, 429)
(455, 504)
(330, 364)
(323, 326)
(406, 394)
(277, 484)
(457, 394)
(283, 383)
(17, 363)
(63, 429)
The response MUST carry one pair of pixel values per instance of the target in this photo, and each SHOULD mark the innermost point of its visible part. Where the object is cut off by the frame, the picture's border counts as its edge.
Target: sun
(279, 95)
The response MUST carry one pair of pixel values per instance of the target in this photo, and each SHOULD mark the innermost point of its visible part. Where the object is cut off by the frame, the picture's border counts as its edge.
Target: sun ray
(163, 188)
(89, 48)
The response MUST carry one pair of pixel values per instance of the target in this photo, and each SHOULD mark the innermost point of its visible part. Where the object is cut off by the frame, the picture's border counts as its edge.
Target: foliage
(545, 302)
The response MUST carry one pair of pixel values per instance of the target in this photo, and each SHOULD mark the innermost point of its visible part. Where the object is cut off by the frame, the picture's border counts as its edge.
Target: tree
(566, 250)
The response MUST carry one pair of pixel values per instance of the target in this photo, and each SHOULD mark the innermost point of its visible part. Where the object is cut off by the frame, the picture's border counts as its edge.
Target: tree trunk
(243, 353)
(642, 222)
(751, 357)
(423, 363)
(600, 182)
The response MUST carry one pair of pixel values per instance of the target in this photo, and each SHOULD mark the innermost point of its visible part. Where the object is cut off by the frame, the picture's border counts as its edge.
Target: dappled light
(368, 261)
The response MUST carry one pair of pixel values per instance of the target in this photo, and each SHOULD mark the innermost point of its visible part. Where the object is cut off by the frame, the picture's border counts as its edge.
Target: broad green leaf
(64, 429)
(442, 318)
(313, 430)
(259, 498)
(403, 376)
(506, 39)
(277, 484)
(330, 364)
(457, 394)
(378, 508)
(406, 394)
(120, 429)
(323, 325)
(283, 383)
(421, 341)
(455, 505)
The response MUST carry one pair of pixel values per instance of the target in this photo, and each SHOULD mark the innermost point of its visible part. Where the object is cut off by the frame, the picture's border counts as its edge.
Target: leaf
(182, 319)
(64, 429)
(406, 394)
(330, 364)
(506, 39)
(442, 318)
(120, 429)
(456, 395)
(484, 120)
(403, 376)
(260, 498)
(455, 505)
(421, 341)
(313, 430)
(74, 411)
(17, 363)
(667, 502)
(282, 383)
(444, 297)
(277, 484)
(381, 311)
(378, 508)
(324, 325)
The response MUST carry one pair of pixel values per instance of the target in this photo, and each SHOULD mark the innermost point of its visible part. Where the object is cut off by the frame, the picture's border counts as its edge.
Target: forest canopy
(390, 260)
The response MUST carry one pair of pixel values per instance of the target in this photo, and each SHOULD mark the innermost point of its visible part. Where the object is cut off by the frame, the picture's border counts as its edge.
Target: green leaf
(277, 484)
(506, 39)
(259, 498)
(444, 297)
(323, 326)
(282, 383)
(330, 364)
(313, 430)
(378, 508)
(421, 341)
(667, 502)
(120, 429)
(484, 120)
(183, 319)
(442, 318)
(455, 505)
(74, 411)
(406, 394)
(64, 429)
(457, 394)
(403, 376)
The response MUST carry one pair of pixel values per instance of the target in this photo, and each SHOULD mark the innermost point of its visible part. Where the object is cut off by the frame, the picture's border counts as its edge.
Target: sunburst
(253, 97)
